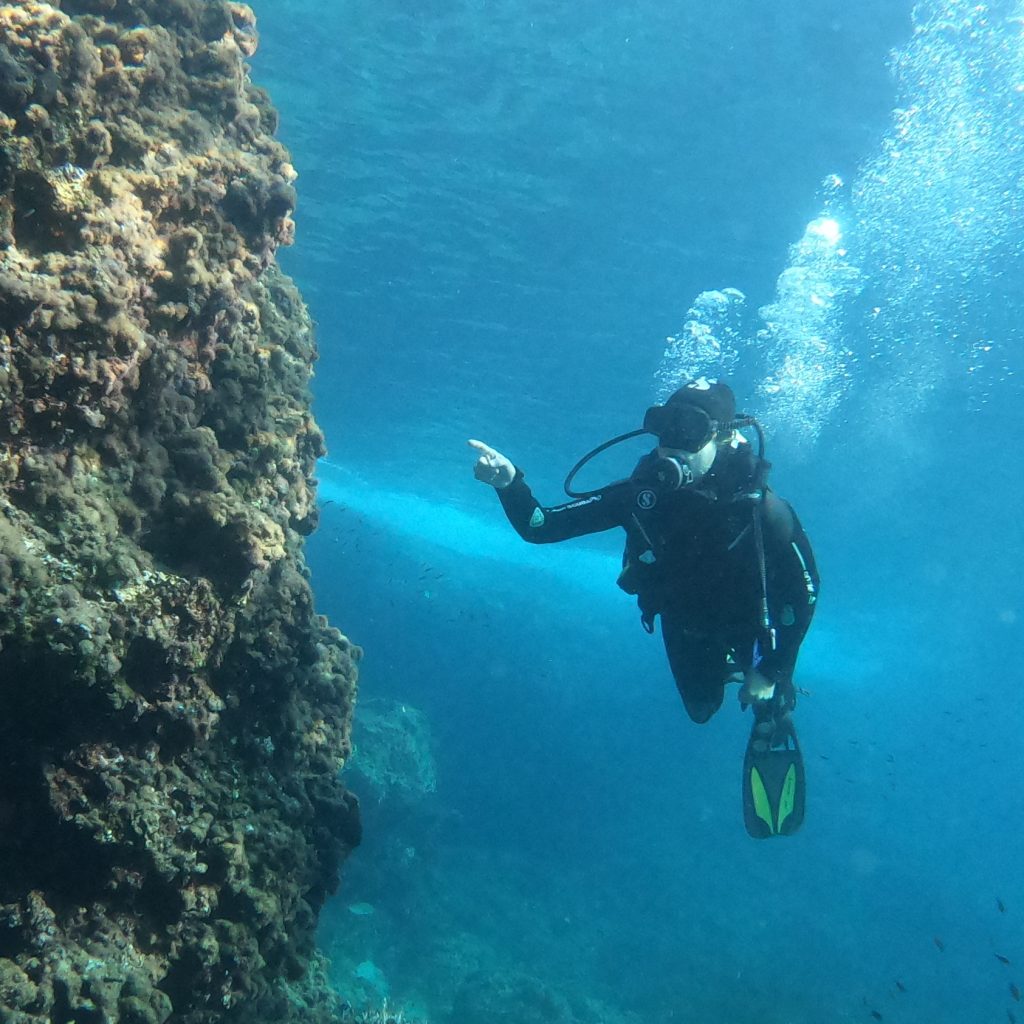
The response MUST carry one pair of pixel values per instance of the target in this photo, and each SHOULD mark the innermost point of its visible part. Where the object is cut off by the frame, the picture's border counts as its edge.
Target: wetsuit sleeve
(792, 586)
(542, 525)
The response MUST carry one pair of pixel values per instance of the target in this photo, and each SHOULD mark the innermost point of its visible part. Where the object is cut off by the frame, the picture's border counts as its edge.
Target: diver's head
(693, 415)
(688, 427)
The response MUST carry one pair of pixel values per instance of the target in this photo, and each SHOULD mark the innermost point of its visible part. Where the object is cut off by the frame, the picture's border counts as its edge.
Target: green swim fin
(773, 780)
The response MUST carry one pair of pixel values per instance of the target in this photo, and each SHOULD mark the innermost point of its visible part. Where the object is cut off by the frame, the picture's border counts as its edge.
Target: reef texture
(173, 713)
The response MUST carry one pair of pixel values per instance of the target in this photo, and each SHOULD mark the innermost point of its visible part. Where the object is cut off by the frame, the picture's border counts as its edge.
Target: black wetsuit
(691, 556)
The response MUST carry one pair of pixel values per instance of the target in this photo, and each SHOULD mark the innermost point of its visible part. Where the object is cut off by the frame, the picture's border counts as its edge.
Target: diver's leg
(772, 716)
(698, 665)
(779, 672)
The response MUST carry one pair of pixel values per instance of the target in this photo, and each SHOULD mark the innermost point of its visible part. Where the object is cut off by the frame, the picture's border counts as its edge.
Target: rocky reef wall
(173, 713)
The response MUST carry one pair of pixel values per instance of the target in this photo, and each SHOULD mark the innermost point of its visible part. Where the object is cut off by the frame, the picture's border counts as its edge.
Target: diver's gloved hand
(492, 467)
(756, 687)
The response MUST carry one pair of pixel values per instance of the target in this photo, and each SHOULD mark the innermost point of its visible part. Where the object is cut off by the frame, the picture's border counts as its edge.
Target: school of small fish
(940, 945)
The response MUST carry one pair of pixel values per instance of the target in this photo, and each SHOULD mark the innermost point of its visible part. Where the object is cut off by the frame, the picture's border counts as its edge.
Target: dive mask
(682, 426)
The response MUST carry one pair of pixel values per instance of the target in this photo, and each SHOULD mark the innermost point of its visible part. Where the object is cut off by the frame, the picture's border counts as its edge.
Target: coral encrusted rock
(173, 712)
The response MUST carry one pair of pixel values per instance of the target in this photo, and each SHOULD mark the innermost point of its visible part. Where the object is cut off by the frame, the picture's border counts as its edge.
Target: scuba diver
(714, 552)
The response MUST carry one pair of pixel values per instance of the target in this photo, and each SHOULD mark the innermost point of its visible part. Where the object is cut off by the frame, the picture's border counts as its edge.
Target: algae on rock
(173, 713)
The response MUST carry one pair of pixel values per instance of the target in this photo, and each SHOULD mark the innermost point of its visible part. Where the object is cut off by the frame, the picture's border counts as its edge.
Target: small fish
(1015, 992)
(1011, 1017)
(1000, 906)
(1002, 959)
(361, 909)
(939, 944)
(900, 985)
(876, 1015)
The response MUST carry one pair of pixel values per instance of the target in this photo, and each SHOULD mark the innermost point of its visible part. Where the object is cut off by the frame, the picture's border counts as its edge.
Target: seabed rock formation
(173, 713)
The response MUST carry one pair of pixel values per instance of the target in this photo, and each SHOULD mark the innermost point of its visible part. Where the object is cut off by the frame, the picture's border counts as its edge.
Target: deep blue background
(504, 210)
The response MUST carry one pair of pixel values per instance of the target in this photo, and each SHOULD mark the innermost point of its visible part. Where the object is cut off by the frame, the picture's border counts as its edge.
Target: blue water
(511, 217)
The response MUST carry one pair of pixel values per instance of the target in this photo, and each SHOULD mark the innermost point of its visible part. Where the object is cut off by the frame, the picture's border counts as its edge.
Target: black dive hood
(671, 473)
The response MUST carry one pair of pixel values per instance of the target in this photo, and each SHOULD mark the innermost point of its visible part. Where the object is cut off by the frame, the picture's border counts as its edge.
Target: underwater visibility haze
(524, 223)
(527, 224)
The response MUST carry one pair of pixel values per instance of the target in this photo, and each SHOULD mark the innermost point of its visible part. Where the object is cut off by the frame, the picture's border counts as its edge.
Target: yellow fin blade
(762, 805)
(787, 798)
